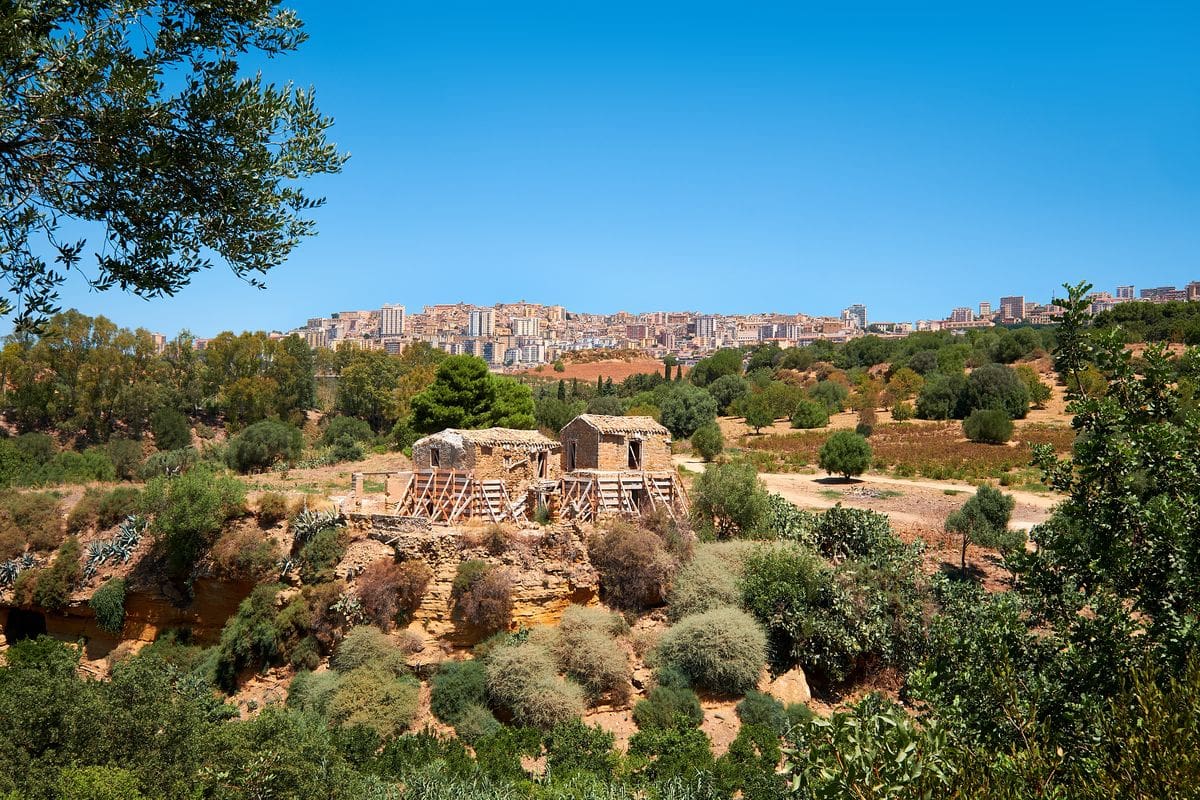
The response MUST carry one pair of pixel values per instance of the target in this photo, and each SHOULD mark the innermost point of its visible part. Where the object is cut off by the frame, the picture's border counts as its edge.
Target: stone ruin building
(602, 465)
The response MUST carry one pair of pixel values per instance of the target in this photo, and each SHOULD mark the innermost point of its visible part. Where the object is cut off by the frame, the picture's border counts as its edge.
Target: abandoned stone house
(494, 473)
(599, 442)
(514, 456)
(617, 465)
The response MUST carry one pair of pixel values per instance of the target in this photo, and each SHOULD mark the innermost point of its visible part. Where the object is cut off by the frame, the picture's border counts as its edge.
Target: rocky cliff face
(549, 568)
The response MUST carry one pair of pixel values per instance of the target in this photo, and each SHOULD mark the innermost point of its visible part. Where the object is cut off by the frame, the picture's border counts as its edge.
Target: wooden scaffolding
(589, 494)
(447, 495)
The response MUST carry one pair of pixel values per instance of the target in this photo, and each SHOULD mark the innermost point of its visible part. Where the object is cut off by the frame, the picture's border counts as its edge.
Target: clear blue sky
(732, 158)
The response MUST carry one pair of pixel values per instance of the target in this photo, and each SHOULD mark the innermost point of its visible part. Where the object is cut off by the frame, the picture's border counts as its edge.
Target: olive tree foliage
(134, 121)
(1126, 530)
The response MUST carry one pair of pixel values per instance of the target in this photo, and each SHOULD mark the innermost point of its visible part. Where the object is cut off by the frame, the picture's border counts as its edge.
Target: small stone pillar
(357, 489)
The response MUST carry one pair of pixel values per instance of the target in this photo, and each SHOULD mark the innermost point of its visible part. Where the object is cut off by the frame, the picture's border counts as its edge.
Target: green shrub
(903, 411)
(841, 533)
(708, 441)
(810, 414)
(171, 429)
(169, 463)
(635, 568)
(374, 698)
(575, 747)
(723, 650)
(668, 707)
(457, 687)
(482, 595)
(757, 708)
(990, 426)
(86, 511)
(728, 500)
(97, 783)
(352, 428)
(126, 457)
(677, 756)
(830, 394)
(367, 646)
(523, 681)
(310, 691)
(188, 512)
(704, 583)
(845, 453)
(264, 444)
(272, 509)
(685, 408)
(321, 554)
(115, 506)
(244, 553)
(586, 649)
(346, 449)
(55, 583)
(251, 638)
(995, 386)
(28, 518)
(476, 723)
(108, 604)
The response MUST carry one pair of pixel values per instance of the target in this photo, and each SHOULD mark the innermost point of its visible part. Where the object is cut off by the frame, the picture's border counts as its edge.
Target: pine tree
(562, 389)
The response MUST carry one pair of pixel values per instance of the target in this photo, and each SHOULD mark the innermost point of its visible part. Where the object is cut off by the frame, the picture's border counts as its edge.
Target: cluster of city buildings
(521, 335)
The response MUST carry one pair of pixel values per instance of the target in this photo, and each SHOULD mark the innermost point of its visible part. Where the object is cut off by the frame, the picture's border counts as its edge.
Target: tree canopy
(132, 123)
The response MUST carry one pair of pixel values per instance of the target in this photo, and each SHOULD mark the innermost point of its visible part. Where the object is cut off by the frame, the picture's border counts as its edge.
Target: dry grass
(932, 450)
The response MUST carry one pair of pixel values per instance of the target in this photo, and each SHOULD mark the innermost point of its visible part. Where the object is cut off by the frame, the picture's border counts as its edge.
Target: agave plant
(9, 570)
(117, 549)
(308, 524)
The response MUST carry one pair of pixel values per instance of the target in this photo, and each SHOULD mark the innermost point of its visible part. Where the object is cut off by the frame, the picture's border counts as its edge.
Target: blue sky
(732, 157)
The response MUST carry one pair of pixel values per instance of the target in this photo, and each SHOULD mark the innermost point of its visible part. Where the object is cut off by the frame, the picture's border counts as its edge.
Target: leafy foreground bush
(374, 698)
(728, 500)
(458, 687)
(723, 650)
(668, 707)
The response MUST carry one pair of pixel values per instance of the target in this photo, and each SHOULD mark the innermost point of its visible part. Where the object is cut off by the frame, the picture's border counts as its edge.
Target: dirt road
(922, 504)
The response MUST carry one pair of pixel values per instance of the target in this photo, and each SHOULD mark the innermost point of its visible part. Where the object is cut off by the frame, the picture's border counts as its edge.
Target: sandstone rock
(790, 687)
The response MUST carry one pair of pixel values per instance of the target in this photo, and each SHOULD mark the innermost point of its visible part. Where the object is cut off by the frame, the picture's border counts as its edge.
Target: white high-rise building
(856, 315)
(482, 322)
(391, 320)
(526, 326)
(706, 327)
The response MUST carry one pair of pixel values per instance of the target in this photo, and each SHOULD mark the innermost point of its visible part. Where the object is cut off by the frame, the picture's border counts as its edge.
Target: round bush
(586, 648)
(757, 708)
(998, 387)
(704, 583)
(366, 645)
(990, 426)
(457, 687)
(523, 681)
(352, 428)
(845, 453)
(108, 603)
(376, 699)
(272, 509)
(903, 411)
(721, 650)
(708, 441)
(668, 707)
(634, 565)
(389, 590)
(810, 414)
(262, 445)
(171, 429)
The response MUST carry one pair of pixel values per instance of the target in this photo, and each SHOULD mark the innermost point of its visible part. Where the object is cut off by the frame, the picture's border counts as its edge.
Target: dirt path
(923, 504)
